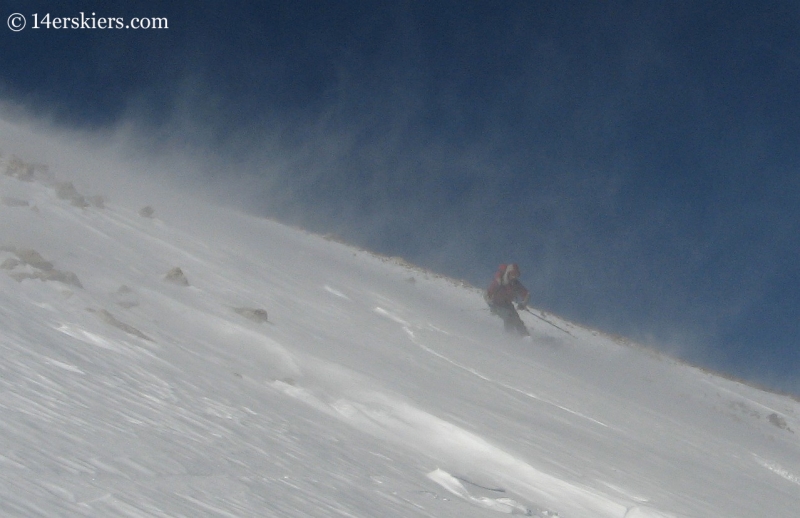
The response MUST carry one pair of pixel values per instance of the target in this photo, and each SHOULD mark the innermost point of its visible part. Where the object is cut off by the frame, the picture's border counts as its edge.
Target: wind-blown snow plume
(290, 375)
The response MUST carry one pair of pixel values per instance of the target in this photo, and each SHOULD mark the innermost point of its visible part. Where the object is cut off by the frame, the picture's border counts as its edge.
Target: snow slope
(372, 388)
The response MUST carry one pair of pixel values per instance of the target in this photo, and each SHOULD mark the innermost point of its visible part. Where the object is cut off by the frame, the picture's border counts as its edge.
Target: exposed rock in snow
(176, 276)
(255, 314)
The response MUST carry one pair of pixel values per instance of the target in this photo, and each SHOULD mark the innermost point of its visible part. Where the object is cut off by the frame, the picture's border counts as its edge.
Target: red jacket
(506, 288)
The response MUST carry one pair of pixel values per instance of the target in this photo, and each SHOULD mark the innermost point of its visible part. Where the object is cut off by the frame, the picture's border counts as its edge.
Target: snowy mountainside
(192, 361)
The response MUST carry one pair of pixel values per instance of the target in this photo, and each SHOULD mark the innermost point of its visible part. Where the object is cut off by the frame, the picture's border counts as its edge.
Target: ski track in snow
(407, 327)
(778, 470)
(335, 292)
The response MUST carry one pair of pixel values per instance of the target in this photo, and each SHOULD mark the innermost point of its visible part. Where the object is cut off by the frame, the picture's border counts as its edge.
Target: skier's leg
(504, 312)
(516, 323)
(508, 323)
(512, 323)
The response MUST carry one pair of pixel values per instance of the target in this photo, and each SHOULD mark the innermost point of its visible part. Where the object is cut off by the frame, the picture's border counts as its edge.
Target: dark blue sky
(640, 160)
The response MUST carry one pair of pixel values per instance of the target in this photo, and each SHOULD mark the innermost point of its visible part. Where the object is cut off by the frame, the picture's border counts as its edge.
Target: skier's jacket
(505, 287)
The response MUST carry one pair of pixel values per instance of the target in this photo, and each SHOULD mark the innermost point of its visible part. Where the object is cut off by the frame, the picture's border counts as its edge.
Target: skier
(503, 291)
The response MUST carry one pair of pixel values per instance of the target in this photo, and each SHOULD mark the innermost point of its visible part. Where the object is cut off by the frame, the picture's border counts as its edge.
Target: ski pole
(545, 320)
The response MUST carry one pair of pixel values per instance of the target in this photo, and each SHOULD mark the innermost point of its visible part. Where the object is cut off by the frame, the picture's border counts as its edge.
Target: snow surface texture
(199, 362)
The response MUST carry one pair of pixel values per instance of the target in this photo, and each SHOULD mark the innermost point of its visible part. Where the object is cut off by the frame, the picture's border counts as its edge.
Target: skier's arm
(522, 294)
